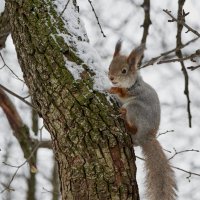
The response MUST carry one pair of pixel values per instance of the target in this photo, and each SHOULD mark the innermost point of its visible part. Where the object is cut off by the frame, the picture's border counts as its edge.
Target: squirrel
(140, 109)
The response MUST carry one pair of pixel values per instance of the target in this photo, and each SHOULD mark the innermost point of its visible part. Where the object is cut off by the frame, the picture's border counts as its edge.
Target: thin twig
(9, 68)
(64, 8)
(16, 95)
(33, 168)
(181, 22)
(190, 57)
(168, 131)
(192, 68)
(140, 158)
(57, 193)
(164, 54)
(90, 2)
(18, 167)
(183, 151)
(189, 172)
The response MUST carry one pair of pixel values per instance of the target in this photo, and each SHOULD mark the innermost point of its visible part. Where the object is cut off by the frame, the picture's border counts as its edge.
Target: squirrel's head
(123, 69)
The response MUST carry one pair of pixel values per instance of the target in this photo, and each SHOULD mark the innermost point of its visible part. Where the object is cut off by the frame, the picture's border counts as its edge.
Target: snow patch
(2, 6)
(92, 59)
(75, 70)
(78, 40)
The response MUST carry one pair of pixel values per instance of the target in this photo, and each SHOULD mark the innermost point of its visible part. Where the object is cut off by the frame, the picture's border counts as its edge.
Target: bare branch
(146, 24)
(53, 193)
(5, 65)
(20, 130)
(183, 151)
(181, 17)
(181, 21)
(147, 21)
(35, 144)
(16, 95)
(96, 18)
(190, 57)
(33, 169)
(188, 172)
(65, 8)
(193, 67)
(164, 54)
(8, 186)
(47, 144)
(168, 131)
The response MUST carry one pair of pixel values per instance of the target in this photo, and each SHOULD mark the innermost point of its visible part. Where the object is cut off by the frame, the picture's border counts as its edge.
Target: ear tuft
(135, 55)
(117, 48)
(140, 50)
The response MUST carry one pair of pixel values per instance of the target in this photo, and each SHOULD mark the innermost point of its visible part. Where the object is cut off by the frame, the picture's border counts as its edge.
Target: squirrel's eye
(123, 71)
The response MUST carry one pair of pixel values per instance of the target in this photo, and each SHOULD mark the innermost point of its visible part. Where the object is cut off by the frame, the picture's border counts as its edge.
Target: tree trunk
(94, 154)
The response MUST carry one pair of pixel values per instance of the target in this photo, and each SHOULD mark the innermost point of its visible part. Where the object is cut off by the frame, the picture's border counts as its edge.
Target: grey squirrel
(140, 109)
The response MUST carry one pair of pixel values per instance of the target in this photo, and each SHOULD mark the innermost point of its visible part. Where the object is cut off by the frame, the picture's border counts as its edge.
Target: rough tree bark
(94, 154)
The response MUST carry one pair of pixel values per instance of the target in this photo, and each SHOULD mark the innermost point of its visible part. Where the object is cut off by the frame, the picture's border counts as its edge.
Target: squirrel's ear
(135, 55)
(117, 48)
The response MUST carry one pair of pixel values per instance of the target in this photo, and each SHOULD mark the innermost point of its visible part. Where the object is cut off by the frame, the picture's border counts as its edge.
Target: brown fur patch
(131, 128)
(153, 132)
(123, 112)
(121, 92)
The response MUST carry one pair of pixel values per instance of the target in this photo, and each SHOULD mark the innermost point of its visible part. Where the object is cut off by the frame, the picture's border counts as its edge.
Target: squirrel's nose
(111, 78)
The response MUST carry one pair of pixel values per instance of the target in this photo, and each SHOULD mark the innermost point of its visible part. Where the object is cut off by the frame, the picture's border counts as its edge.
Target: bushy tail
(160, 178)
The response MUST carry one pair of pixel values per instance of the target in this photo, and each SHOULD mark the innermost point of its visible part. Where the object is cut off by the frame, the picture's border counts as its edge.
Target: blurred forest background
(117, 19)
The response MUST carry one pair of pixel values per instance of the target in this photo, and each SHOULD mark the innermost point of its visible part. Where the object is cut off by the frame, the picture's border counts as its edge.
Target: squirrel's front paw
(123, 112)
